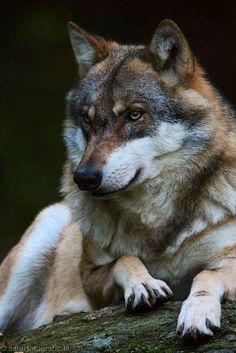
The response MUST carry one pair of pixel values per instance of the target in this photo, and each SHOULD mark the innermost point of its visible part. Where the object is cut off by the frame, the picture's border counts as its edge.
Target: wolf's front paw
(141, 295)
(199, 316)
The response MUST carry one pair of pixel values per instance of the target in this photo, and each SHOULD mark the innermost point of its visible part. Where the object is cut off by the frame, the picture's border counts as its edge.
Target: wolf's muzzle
(88, 178)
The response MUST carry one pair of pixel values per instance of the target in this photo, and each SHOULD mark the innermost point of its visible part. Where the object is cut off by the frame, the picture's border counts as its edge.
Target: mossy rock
(112, 330)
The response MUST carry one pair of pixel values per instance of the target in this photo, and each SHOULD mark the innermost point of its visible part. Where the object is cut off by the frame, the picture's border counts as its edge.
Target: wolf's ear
(88, 49)
(174, 60)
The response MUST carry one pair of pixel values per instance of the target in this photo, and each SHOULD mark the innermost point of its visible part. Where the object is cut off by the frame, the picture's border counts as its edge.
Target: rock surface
(112, 330)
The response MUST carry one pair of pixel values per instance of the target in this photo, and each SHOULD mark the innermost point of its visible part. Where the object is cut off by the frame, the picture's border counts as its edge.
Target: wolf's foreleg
(201, 311)
(140, 289)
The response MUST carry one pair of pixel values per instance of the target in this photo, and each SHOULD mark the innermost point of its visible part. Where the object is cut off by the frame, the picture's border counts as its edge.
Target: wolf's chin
(106, 194)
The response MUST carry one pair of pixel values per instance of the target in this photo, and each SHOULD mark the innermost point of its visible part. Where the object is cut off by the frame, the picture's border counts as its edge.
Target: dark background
(37, 68)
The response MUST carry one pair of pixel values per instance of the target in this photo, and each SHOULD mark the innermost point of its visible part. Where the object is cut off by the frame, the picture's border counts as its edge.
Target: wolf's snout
(88, 178)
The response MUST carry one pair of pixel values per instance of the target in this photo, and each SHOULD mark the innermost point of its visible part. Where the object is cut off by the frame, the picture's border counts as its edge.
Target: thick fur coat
(149, 192)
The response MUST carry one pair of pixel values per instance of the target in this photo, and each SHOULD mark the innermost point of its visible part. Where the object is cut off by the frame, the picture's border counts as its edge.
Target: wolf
(149, 193)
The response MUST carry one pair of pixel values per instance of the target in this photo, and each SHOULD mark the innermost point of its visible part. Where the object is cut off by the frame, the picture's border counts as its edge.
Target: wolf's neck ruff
(179, 200)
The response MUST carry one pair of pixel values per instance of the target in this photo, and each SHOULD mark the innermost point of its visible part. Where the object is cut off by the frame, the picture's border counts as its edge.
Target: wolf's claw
(199, 317)
(146, 294)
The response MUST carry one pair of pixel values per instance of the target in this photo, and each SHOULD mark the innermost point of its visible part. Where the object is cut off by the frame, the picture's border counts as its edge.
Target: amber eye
(135, 114)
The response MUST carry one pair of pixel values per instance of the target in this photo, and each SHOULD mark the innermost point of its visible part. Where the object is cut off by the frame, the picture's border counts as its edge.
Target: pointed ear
(174, 59)
(88, 49)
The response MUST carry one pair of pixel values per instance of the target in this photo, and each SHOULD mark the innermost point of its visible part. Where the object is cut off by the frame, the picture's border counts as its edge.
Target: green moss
(112, 330)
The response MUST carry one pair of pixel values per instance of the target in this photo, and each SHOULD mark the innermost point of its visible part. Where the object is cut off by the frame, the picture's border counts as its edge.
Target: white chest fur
(132, 228)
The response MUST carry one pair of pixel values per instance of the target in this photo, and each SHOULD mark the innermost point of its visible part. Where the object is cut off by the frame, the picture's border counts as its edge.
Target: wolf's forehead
(120, 83)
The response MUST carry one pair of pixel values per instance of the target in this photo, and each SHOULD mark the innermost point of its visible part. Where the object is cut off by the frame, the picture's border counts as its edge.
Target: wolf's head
(135, 111)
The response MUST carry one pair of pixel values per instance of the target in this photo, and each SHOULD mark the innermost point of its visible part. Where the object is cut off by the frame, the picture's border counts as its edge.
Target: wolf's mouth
(131, 182)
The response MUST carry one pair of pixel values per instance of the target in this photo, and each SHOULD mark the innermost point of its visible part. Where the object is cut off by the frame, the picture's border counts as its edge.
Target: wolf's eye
(85, 118)
(135, 114)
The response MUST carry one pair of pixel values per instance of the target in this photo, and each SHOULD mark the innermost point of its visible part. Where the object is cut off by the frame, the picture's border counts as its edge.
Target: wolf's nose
(88, 178)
